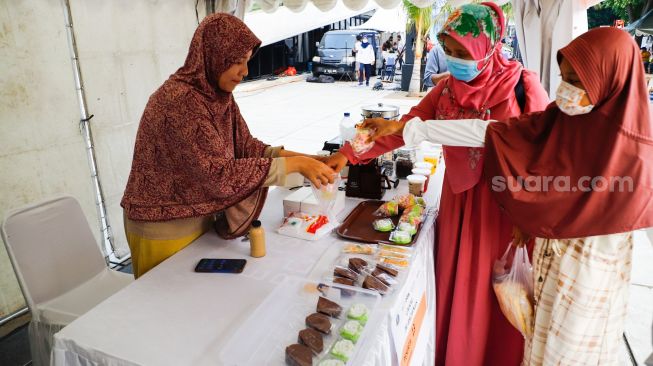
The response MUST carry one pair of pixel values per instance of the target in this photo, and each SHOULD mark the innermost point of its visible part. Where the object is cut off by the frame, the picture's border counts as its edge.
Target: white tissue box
(303, 200)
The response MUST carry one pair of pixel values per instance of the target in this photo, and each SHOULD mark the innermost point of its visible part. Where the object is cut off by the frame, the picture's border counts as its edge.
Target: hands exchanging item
(314, 170)
(382, 127)
(322, 170)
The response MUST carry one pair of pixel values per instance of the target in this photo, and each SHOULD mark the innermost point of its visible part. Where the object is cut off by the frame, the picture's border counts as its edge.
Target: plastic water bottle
(347, 127)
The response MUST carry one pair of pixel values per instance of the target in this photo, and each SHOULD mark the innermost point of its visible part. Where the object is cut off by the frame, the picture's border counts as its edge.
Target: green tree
(422, 20)
(628, 10)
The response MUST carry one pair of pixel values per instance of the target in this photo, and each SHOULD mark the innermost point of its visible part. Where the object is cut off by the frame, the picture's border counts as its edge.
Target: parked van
(335, 55)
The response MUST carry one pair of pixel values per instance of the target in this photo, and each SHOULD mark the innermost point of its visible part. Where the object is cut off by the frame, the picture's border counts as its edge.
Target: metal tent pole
(85, 128)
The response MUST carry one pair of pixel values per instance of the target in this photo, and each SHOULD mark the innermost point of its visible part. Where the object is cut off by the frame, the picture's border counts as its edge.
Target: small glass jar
(405, 160)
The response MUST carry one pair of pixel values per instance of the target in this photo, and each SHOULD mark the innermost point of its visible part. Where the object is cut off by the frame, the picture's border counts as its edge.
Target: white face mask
(568, 99)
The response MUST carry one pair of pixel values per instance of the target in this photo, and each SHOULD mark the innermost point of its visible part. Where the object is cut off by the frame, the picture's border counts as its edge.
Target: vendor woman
(195, 161)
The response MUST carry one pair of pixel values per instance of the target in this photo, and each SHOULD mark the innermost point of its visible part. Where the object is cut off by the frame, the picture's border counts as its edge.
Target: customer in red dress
(472, 232)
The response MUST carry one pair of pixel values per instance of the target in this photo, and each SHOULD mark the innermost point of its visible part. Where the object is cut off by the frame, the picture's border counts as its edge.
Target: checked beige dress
(581, 294)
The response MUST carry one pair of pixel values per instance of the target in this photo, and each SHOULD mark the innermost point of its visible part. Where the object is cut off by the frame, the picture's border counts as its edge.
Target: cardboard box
(303, 200)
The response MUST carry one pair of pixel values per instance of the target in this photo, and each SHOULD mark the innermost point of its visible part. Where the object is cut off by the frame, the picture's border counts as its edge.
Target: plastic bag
(412, 215)
(390, 208)
(326, 196)
(359, 143)
(409, 200)
(383, 225)
(513, 285)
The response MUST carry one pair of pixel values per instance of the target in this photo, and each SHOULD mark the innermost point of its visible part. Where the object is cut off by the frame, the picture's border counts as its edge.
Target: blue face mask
(463, 70)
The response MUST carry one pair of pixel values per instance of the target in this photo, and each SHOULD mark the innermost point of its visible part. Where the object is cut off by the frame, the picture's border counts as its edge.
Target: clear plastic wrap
(356, 270)
(390, 208)
(326, 196)
(359, 144)
(383, 225)
(356, 248)
(513, 285)
(401, 237)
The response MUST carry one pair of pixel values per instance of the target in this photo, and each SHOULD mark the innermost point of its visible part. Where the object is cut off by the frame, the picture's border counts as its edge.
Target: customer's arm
(461, 132)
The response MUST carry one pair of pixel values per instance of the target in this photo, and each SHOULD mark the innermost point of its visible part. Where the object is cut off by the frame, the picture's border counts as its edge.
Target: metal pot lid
(380, 107)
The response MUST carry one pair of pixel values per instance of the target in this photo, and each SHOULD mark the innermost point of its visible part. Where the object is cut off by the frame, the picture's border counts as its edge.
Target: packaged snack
(298, 354)
(383, 225)
(328, 307)
(384, 277)
(408, 200)
(357, 264)
(390, 254)
(319, 322)
(373, 283)
(358, 312)
(351, 330)
(412, 215)
(353, 248)
(407, 227)
(343, 349)
(403, 263)
(343, 272)
(359, 143)
(395, 248)
(400, 237)
(312, 339)
(389, 269)
(390, 208)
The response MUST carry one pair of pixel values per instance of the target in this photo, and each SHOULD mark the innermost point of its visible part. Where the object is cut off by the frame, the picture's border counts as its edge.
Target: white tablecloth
(174, 316)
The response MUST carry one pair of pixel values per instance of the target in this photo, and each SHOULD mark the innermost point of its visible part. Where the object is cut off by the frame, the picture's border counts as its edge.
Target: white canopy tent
(266, 26)
(386, 20)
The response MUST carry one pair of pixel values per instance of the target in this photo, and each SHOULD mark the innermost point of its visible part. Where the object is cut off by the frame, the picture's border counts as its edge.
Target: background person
(366, 57)
(436, 66)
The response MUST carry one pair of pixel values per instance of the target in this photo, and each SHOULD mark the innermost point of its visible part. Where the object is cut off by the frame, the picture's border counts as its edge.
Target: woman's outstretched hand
(317, 172)
(383, 127)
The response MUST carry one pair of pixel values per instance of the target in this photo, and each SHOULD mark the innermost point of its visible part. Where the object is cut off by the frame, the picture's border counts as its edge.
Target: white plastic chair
(59, 266)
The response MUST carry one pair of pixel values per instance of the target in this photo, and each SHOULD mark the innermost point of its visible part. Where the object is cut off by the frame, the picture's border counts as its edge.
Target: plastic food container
(432, 157)
(263, 337)
(416, 184)
(424, 165)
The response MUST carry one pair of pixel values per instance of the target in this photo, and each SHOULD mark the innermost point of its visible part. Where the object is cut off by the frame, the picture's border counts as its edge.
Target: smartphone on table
(216, 265)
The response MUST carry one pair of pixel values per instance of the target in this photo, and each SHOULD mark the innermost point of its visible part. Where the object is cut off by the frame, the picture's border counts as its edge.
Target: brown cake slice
(312, 339)
(344, 281)
(299, 355)
(373, 283)
(328, 307)
(357, 264)
(319, 322)
(345, 273)
(391, 271)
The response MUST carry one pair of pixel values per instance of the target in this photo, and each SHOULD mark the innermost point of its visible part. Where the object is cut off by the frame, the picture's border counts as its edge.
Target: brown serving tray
(358, 225)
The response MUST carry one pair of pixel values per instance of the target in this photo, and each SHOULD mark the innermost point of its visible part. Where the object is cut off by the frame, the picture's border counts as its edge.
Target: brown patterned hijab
(194, 155)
